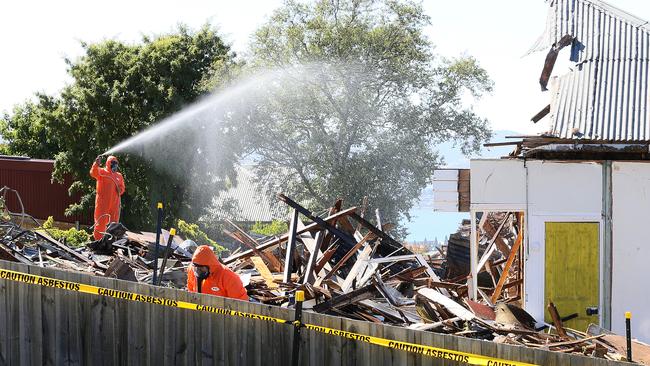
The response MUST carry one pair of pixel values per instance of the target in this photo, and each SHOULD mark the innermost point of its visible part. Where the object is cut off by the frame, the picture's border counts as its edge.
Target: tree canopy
(366, 122)
(360, 104)
(117, 90)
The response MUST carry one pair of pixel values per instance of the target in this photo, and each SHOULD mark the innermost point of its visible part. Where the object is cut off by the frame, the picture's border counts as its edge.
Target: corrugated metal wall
(606, 96)
(41, 198)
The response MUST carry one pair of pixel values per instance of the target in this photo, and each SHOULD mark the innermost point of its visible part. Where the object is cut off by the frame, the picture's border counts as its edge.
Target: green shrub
(192, 232)
(276, 227)
(72, 237)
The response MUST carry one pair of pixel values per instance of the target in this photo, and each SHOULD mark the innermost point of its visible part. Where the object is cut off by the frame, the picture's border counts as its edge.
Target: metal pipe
(168, 250)
(155, 251)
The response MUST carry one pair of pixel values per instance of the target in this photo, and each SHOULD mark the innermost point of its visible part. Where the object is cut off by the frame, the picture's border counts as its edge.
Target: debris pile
(349, 267)
(120, 254)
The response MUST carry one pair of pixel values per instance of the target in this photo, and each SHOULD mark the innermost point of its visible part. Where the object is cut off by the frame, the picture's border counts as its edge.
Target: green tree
(117, 90)
(377, 102)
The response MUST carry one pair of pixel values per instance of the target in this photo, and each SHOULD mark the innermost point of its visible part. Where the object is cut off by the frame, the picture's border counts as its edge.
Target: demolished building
(582, 186)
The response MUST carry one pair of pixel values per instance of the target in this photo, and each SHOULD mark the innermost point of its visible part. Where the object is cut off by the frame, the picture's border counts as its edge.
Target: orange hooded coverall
(221, 281)
(110, 186)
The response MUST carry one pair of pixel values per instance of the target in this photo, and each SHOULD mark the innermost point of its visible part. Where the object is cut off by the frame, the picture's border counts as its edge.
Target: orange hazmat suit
(221, 281)
(110, 186)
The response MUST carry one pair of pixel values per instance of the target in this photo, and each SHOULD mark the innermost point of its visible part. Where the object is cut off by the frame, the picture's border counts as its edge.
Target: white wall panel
(564, 188)
(498, 182)
(631, 247)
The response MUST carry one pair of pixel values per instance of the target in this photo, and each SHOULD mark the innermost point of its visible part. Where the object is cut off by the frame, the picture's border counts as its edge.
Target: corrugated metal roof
(605, 96)
(247, 201)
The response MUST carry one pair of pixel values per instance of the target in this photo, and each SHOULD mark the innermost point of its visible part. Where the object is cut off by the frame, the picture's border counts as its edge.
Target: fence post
(628, 334)
(168, 251)
(155, 251)
(295, 355)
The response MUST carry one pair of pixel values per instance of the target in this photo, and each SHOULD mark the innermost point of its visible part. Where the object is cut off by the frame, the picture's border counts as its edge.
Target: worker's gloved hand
(98, 159)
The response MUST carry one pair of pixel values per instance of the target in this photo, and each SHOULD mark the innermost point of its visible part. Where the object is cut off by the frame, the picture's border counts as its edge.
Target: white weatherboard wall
(445, 190)
(631, 247)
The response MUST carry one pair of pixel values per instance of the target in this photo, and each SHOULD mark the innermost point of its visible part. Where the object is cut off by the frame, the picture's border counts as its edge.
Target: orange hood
(204, 256)
(109, 161)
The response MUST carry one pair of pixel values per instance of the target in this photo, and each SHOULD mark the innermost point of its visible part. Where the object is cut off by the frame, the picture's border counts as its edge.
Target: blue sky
(37, 35)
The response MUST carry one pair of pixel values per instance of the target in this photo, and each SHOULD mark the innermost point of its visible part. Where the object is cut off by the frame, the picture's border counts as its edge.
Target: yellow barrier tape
(441, 353)
(125, 295)
(468, 358)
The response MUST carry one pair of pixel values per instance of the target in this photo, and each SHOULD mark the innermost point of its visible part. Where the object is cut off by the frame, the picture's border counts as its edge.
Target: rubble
(349, 267)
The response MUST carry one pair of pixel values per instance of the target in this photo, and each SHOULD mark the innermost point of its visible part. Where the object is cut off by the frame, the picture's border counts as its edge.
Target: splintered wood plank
(511, 258)
(264, 272)
(453, 307)
(556, 320)
(313, 245)
(358, 268)
(347, 256)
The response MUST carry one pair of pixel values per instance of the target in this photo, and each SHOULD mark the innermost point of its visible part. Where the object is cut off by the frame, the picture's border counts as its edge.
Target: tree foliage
(117, 90)
(192, 232)
(275, 227)
(366, 122)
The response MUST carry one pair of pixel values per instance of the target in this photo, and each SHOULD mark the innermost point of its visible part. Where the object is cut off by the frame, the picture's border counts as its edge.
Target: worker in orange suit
(110, 187)
(206, 275)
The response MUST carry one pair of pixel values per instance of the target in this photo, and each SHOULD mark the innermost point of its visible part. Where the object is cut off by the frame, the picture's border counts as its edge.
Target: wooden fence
(48, 326)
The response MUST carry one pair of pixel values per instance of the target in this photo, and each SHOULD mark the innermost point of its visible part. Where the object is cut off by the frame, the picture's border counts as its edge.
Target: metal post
(155, 251)
(168, 251)
(605, 312)
(297, 323)
(628, 334)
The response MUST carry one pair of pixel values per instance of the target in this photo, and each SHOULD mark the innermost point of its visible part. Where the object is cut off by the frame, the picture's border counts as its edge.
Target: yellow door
(572, 264)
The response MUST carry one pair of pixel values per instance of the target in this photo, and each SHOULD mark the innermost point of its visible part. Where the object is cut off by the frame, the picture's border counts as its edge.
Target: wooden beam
(264, 272)
(322, 223)
(540, 114)
(68, 250)
(273, 242)
(351, 297)
(347, 256)
(291, 246)
(277, 267)
(492, 243)
(557, 322)
(322, 239)
(384, 237)
(249, 241)
(513, 253)
(505, 143)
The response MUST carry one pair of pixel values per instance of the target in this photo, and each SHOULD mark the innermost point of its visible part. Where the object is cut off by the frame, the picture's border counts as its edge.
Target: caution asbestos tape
(440, 353)
(462, 357)
(125, 295)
